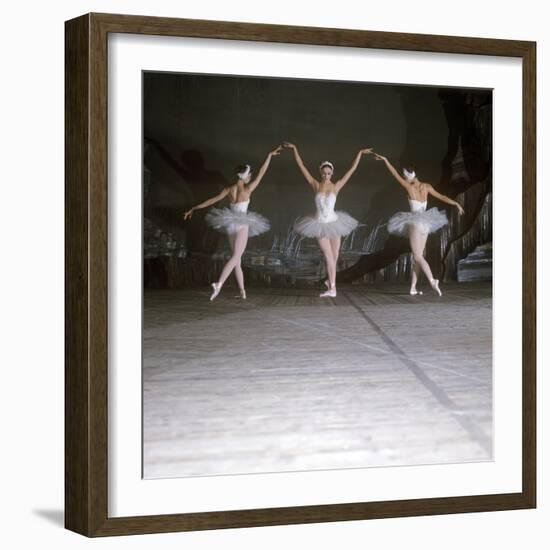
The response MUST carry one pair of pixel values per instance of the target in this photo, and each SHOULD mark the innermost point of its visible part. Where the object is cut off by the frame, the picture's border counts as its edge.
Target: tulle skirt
(229, 221)
(310, 226)
(428, 221)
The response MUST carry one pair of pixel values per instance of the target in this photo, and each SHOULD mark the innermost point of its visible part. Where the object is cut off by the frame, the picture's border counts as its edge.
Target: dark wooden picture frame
(86, 285)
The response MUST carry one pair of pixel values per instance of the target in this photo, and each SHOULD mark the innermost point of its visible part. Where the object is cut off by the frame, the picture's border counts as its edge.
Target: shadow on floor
(54, 516)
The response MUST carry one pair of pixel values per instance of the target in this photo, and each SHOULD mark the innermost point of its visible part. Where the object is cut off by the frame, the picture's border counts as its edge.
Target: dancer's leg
(231, 239)
(239, 245)
(418, 244)
(335, 246)
(239, 275)
(326, 249)
(238, 268)
(414, 276)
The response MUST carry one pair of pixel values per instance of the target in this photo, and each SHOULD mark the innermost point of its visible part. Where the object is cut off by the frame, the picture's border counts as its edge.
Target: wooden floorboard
(286, 381)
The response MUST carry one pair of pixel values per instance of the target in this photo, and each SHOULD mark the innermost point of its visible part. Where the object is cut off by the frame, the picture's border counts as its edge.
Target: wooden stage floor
(286, 381)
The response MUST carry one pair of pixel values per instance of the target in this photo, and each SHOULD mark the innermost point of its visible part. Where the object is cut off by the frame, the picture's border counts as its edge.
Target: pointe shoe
(414, 292)
(330, 293)
(242, 294)
(216, 290)
(435, 286)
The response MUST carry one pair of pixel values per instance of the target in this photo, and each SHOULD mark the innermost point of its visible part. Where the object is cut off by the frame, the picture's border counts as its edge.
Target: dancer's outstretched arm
(309, 178)
(263, 169)
(344, 179)
(444, 198)
(206, 203)
(393, 171)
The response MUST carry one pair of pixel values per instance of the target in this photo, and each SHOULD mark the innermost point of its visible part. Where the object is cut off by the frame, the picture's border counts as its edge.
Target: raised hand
(263, 168)
(379, 157)
(309, 178)
(345, 178)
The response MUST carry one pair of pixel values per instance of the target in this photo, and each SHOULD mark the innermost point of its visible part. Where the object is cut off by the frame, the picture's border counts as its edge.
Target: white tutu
(427, 221)
(310, 226)
(230, 220)
(327, 222)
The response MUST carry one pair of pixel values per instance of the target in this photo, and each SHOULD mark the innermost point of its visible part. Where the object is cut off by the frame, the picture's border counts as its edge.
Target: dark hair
(409, 167)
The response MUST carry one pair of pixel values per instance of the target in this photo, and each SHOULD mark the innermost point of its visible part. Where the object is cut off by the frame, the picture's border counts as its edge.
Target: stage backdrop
(198, 128)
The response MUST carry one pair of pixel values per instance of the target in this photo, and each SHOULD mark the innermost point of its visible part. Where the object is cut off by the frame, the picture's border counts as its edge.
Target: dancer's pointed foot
(216, 290)
(242, 294)
(414, 292)
(330, 293)
(435, 286)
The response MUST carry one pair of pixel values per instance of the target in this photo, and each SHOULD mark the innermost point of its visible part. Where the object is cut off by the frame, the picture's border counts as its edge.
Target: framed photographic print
(300, 275)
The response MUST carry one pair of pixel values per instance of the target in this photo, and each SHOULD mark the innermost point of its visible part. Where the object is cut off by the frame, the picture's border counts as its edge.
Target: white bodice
(417, 206)
(325, 207)
(241, 206)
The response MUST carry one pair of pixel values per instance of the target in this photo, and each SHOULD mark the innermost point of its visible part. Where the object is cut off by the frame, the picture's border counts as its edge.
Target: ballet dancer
(236, 221)
(327, 226)
(419, 222)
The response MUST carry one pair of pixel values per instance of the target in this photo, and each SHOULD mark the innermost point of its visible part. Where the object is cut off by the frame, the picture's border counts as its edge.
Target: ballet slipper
(330, 293)
(217, 287)
(242, 294)
(414, 292)
(435, 286)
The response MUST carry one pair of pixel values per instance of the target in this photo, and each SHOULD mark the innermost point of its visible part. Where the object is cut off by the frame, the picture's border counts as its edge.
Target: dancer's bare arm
(344, 179)
(263, 169)
(309, 178)
(444, 198)
(402, 181)
(206, 203)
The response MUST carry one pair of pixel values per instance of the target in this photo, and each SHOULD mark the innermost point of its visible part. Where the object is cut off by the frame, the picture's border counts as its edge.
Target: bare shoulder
(427, 188)
(231, 190)
(315, 181)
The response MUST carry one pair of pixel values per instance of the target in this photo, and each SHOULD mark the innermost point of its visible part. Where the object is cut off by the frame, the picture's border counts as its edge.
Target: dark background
(197, 128)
